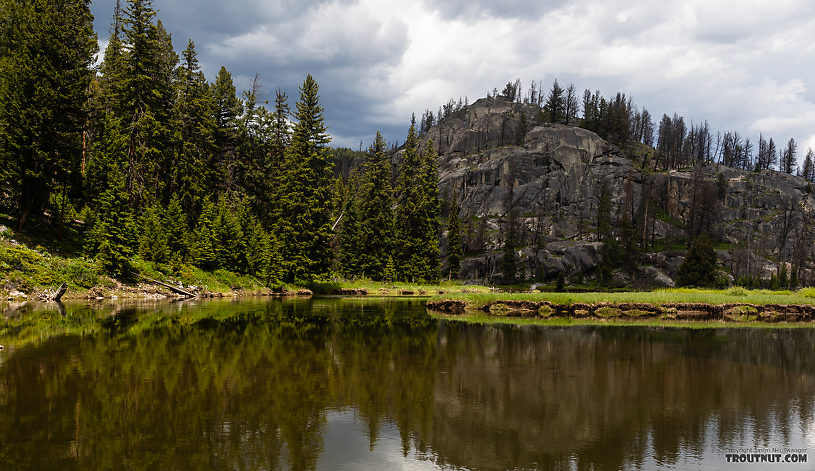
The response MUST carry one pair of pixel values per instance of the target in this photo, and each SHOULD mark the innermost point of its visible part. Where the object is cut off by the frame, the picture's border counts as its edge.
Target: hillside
(545, 182)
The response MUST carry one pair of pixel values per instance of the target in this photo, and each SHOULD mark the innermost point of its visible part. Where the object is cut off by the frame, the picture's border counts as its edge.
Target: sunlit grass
(674, 295)
(480, 318)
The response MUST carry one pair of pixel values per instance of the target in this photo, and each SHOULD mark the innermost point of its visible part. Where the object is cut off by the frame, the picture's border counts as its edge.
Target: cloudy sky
(743, 65)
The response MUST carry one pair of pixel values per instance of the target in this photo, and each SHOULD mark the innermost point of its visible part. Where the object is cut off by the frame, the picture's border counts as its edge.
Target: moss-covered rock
(608, 312)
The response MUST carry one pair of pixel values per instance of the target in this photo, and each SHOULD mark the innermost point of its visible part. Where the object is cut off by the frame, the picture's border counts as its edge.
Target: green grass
(475, 317)
(395, 288)
(31, 270)
(676, 295)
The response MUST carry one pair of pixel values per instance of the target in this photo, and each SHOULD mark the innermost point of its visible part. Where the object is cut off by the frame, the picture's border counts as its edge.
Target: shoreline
(611, 312)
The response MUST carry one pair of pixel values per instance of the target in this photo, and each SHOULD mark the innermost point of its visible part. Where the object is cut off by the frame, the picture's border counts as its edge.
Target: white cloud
(744, 66)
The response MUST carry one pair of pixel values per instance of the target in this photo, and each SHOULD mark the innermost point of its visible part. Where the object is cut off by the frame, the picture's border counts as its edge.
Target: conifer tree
(454, 247)
(153, 239)
(194, 170)
(145, 84)
(509, 263)
(204, 241)
(306, 192)
(111, 238)
(177, 229)
(227, 109)
(351, 229)
(699, 267)
(372, 215)
(408, 213)
(555, 106)
(228, 239)
(430, 215)
(46, 51)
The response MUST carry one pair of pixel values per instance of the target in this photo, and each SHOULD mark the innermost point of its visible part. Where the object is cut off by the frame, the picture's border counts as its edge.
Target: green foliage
(699, 267)
(430, 215)
(204, 242)
(408, 212)
(177, 230)
(194, 174)
(111, 239)
(153, 239)
(306, 192)
(561, 282)
(46, 52)
(509, 262)
(783, 280)
(454, 247)
(368, 232)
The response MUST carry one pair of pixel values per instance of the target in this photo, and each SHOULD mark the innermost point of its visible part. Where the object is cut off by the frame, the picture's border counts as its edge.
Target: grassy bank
(477, 317)
(30, 270)
(677, 295)
(380, 288)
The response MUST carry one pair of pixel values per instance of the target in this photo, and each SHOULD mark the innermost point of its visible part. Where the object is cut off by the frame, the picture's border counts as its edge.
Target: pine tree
(46, 51)
(808, 169)
(177, 229)
(454, 247)
(203, 249)
(194, 168)
(351, 229)
(153, 239)
(555, 106)
(372, 215)
(788, 157)
(699, 267)
(783, 281)
(408, 214)
(430, 216)
(509, 262)
(229, 248)
(227, 109)
(111, 239)
(306, 192)
(146, 101)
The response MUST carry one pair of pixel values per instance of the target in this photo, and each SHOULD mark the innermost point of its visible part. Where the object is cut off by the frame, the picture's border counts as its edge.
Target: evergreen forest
(141, 157)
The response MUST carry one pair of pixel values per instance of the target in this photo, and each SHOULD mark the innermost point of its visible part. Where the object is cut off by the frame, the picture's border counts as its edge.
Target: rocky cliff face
(501, 161)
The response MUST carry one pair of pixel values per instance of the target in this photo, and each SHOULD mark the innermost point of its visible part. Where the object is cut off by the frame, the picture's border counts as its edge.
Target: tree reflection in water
(252, 385)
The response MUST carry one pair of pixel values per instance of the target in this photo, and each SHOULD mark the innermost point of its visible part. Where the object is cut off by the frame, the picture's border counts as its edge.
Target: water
(370, 384)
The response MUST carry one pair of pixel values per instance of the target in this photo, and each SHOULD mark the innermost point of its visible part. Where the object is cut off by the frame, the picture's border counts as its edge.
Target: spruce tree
(153, 239)
(454, 247)
(699, 267)
(430, 216)
(177, 229)
(509, 261)
(306, 192)
(372, 214)
(228, 246)
(351, 230)
(146, 101)
(203, 249)
(46, 52)
(408, 212)
(111, 239)
(194, 170)
(227, 109)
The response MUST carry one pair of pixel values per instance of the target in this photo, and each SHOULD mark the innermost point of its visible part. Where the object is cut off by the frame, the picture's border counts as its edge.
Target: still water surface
(370, 384)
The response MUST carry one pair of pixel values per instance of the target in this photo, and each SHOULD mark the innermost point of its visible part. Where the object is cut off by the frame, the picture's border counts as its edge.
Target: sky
(742, 65)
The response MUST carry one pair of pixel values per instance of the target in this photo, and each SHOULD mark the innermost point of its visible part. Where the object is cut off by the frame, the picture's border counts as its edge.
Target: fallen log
(60, 292)
(170, 287)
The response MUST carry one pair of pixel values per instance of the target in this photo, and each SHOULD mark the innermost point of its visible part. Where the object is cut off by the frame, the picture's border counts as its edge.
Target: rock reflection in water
(370, 383)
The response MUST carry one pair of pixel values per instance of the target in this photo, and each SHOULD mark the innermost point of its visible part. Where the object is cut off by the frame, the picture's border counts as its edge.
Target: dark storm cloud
(347, 49)
(743, 65)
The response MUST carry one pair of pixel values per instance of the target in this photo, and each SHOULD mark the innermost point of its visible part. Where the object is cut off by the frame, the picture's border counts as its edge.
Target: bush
(737, 291)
